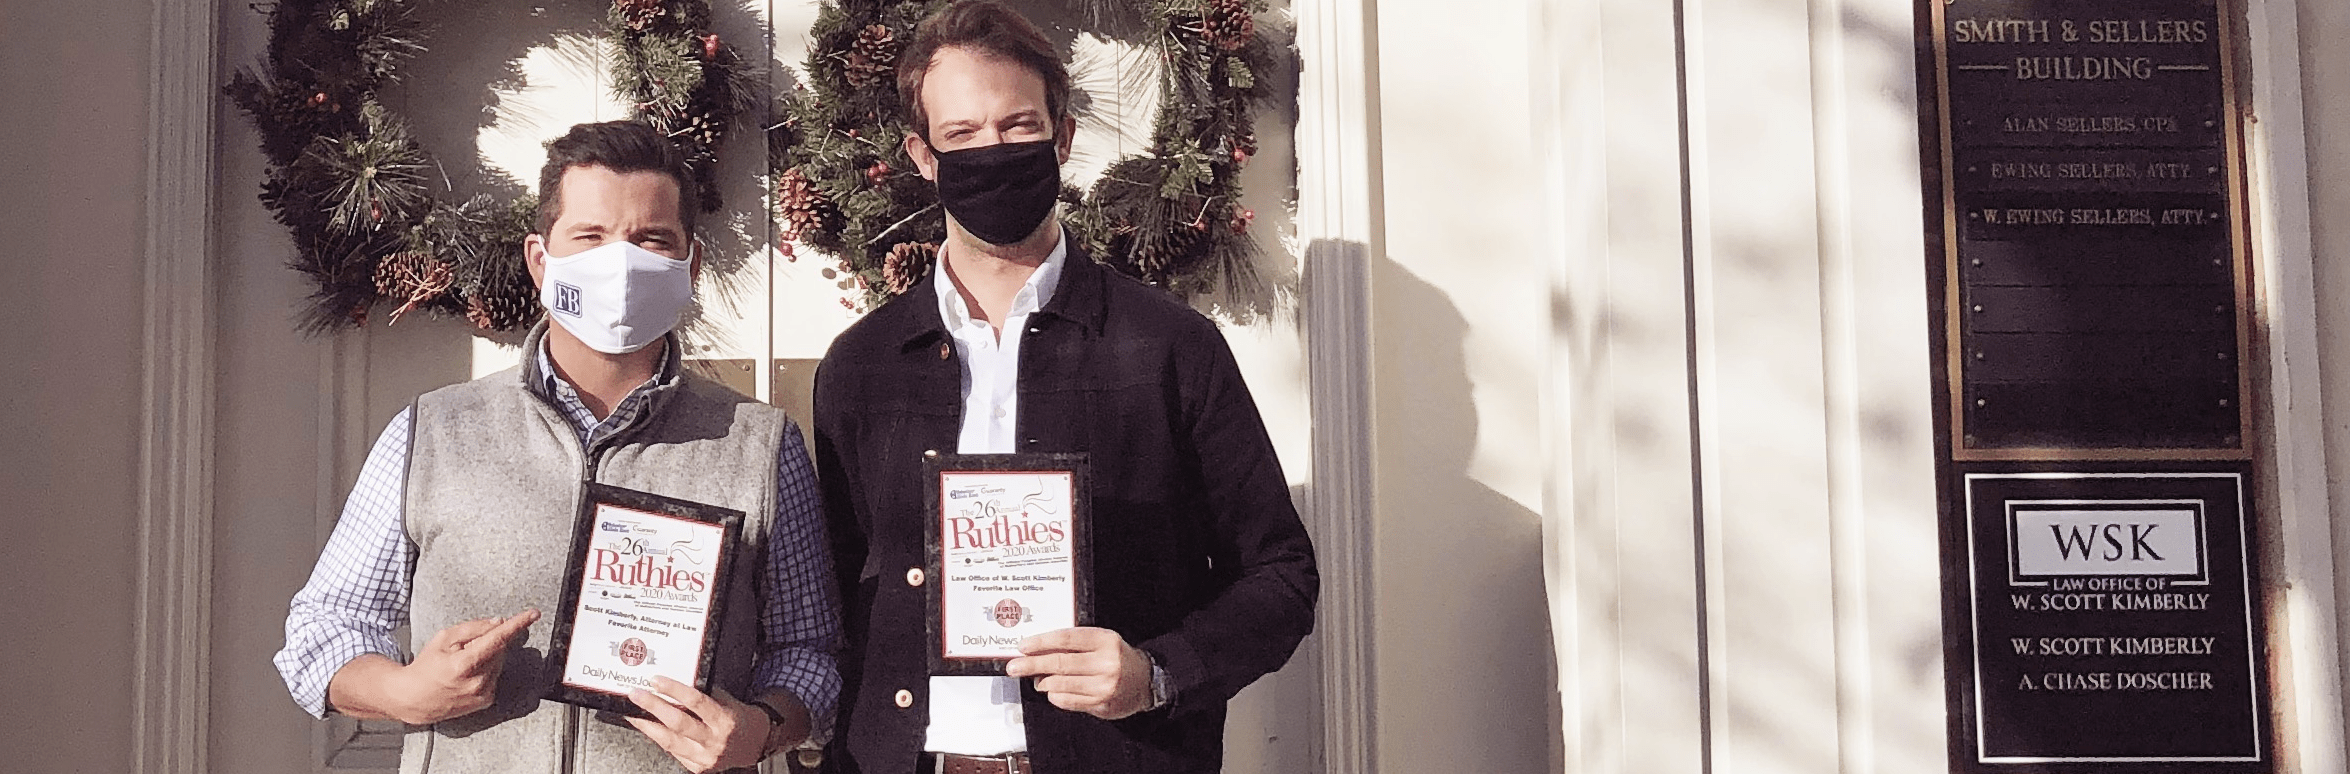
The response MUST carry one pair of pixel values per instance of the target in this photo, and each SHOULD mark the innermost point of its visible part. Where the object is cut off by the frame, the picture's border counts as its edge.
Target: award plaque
(643, 597)
(1008, 537)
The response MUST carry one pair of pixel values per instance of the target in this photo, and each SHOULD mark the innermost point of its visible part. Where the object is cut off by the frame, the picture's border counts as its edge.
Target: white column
(2289, 170)
(1620, 516)
(1741, 523)
(1337, 221)
(175, 456)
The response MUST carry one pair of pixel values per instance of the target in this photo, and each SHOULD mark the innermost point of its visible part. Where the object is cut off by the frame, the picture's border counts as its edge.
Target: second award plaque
(1008, 537)
(643, 596)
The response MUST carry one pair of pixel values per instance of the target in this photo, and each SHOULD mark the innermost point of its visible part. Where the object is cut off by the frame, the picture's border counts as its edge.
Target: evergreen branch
(883, 237)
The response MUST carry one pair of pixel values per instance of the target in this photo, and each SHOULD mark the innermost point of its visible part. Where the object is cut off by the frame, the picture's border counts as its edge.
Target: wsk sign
(2112, 621)
(2116, 541)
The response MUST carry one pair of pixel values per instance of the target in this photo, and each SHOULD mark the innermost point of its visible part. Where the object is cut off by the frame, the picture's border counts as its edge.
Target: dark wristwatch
(768, 746)
(1162, 690)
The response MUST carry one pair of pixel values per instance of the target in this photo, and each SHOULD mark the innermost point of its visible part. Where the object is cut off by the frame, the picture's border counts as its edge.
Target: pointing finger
(455, 637)
(486, 654)
(504, 634)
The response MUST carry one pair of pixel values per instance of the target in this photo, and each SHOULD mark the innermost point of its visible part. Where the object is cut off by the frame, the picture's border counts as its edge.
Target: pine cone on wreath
(697, 127)
(907, 264)
(499, 294)
(414, 278)
(504, 312)
(799, 206)
(873, 56)
(1228, 24)
(1154, 253)
(638, 14)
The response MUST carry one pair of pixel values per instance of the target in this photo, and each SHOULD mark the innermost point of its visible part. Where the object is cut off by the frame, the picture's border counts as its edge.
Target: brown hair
(990, 29)
(620, 146)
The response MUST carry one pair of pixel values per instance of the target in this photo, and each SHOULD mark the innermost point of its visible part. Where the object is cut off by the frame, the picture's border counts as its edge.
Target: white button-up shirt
(981, 715)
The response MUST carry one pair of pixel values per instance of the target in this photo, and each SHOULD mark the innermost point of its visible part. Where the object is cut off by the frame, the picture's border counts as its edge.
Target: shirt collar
(542, 379)
(549, 380)
(1033, 295)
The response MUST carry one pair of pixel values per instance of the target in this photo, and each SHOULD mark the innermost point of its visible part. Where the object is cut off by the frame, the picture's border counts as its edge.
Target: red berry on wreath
(710, 46)
(318, 99)
(878, 172)
(786, 250)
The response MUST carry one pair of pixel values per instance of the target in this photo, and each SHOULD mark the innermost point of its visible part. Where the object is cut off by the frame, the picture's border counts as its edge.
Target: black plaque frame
(592, 495)
(1078, 465)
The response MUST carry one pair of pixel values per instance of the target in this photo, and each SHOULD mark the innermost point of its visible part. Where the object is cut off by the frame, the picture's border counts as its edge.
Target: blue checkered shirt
(358, 592)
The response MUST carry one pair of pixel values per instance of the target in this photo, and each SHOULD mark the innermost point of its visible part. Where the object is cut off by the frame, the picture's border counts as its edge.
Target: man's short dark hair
(989, 29)
(620, 146)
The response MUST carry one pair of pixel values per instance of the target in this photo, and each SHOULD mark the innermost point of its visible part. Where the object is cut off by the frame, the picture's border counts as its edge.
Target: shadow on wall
(1465, 657)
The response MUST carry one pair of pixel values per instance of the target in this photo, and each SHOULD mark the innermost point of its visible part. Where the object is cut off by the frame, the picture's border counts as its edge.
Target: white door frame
(1338, 222)
(2304, 617)
(173, 629)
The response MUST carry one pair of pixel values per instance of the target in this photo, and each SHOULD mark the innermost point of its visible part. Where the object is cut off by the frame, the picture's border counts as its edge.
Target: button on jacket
(1199, 558)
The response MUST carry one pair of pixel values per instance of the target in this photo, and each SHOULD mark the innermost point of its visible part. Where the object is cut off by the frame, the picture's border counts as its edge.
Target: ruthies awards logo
(632, 651)
(1007, 614)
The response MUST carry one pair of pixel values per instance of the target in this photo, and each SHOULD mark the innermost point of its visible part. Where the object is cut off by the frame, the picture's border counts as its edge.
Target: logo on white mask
(617, 298)
(566, 299)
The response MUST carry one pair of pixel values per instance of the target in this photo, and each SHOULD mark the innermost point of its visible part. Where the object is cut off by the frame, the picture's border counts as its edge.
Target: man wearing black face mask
(1203, 578)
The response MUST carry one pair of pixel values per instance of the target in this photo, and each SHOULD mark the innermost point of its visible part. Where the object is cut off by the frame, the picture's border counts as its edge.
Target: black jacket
(1199, 557)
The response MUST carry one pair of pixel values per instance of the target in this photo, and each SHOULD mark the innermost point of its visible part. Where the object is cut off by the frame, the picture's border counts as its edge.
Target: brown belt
(950, 763)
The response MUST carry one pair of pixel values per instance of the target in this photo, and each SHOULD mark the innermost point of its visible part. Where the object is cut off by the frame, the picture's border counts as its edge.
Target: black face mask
(1000, 193)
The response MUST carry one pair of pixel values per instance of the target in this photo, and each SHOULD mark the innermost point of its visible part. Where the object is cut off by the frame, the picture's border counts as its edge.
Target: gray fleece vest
(494, 478)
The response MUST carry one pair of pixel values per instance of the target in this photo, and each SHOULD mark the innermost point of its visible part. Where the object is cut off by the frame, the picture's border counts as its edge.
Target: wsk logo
(567, 298)
(2105, 541)
(2071, 537)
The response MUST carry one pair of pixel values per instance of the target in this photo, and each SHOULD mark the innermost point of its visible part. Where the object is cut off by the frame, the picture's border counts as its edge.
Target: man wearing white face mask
(461, 521)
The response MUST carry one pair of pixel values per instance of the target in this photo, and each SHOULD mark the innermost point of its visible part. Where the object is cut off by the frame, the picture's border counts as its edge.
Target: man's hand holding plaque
(1087, 669)
(704, 732)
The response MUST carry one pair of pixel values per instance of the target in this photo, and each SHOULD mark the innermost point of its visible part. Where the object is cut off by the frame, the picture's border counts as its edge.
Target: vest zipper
(590, 462)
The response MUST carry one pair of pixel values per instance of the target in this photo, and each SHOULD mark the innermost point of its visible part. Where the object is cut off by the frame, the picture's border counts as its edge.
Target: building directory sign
(2112, 620)
(2092, 321)
(2095, 301)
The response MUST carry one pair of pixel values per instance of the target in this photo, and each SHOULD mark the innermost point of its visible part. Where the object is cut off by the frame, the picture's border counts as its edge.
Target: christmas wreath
(1171, 217)
(349, 180)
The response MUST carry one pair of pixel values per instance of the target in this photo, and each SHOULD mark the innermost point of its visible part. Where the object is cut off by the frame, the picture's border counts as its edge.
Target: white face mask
(617, 298)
